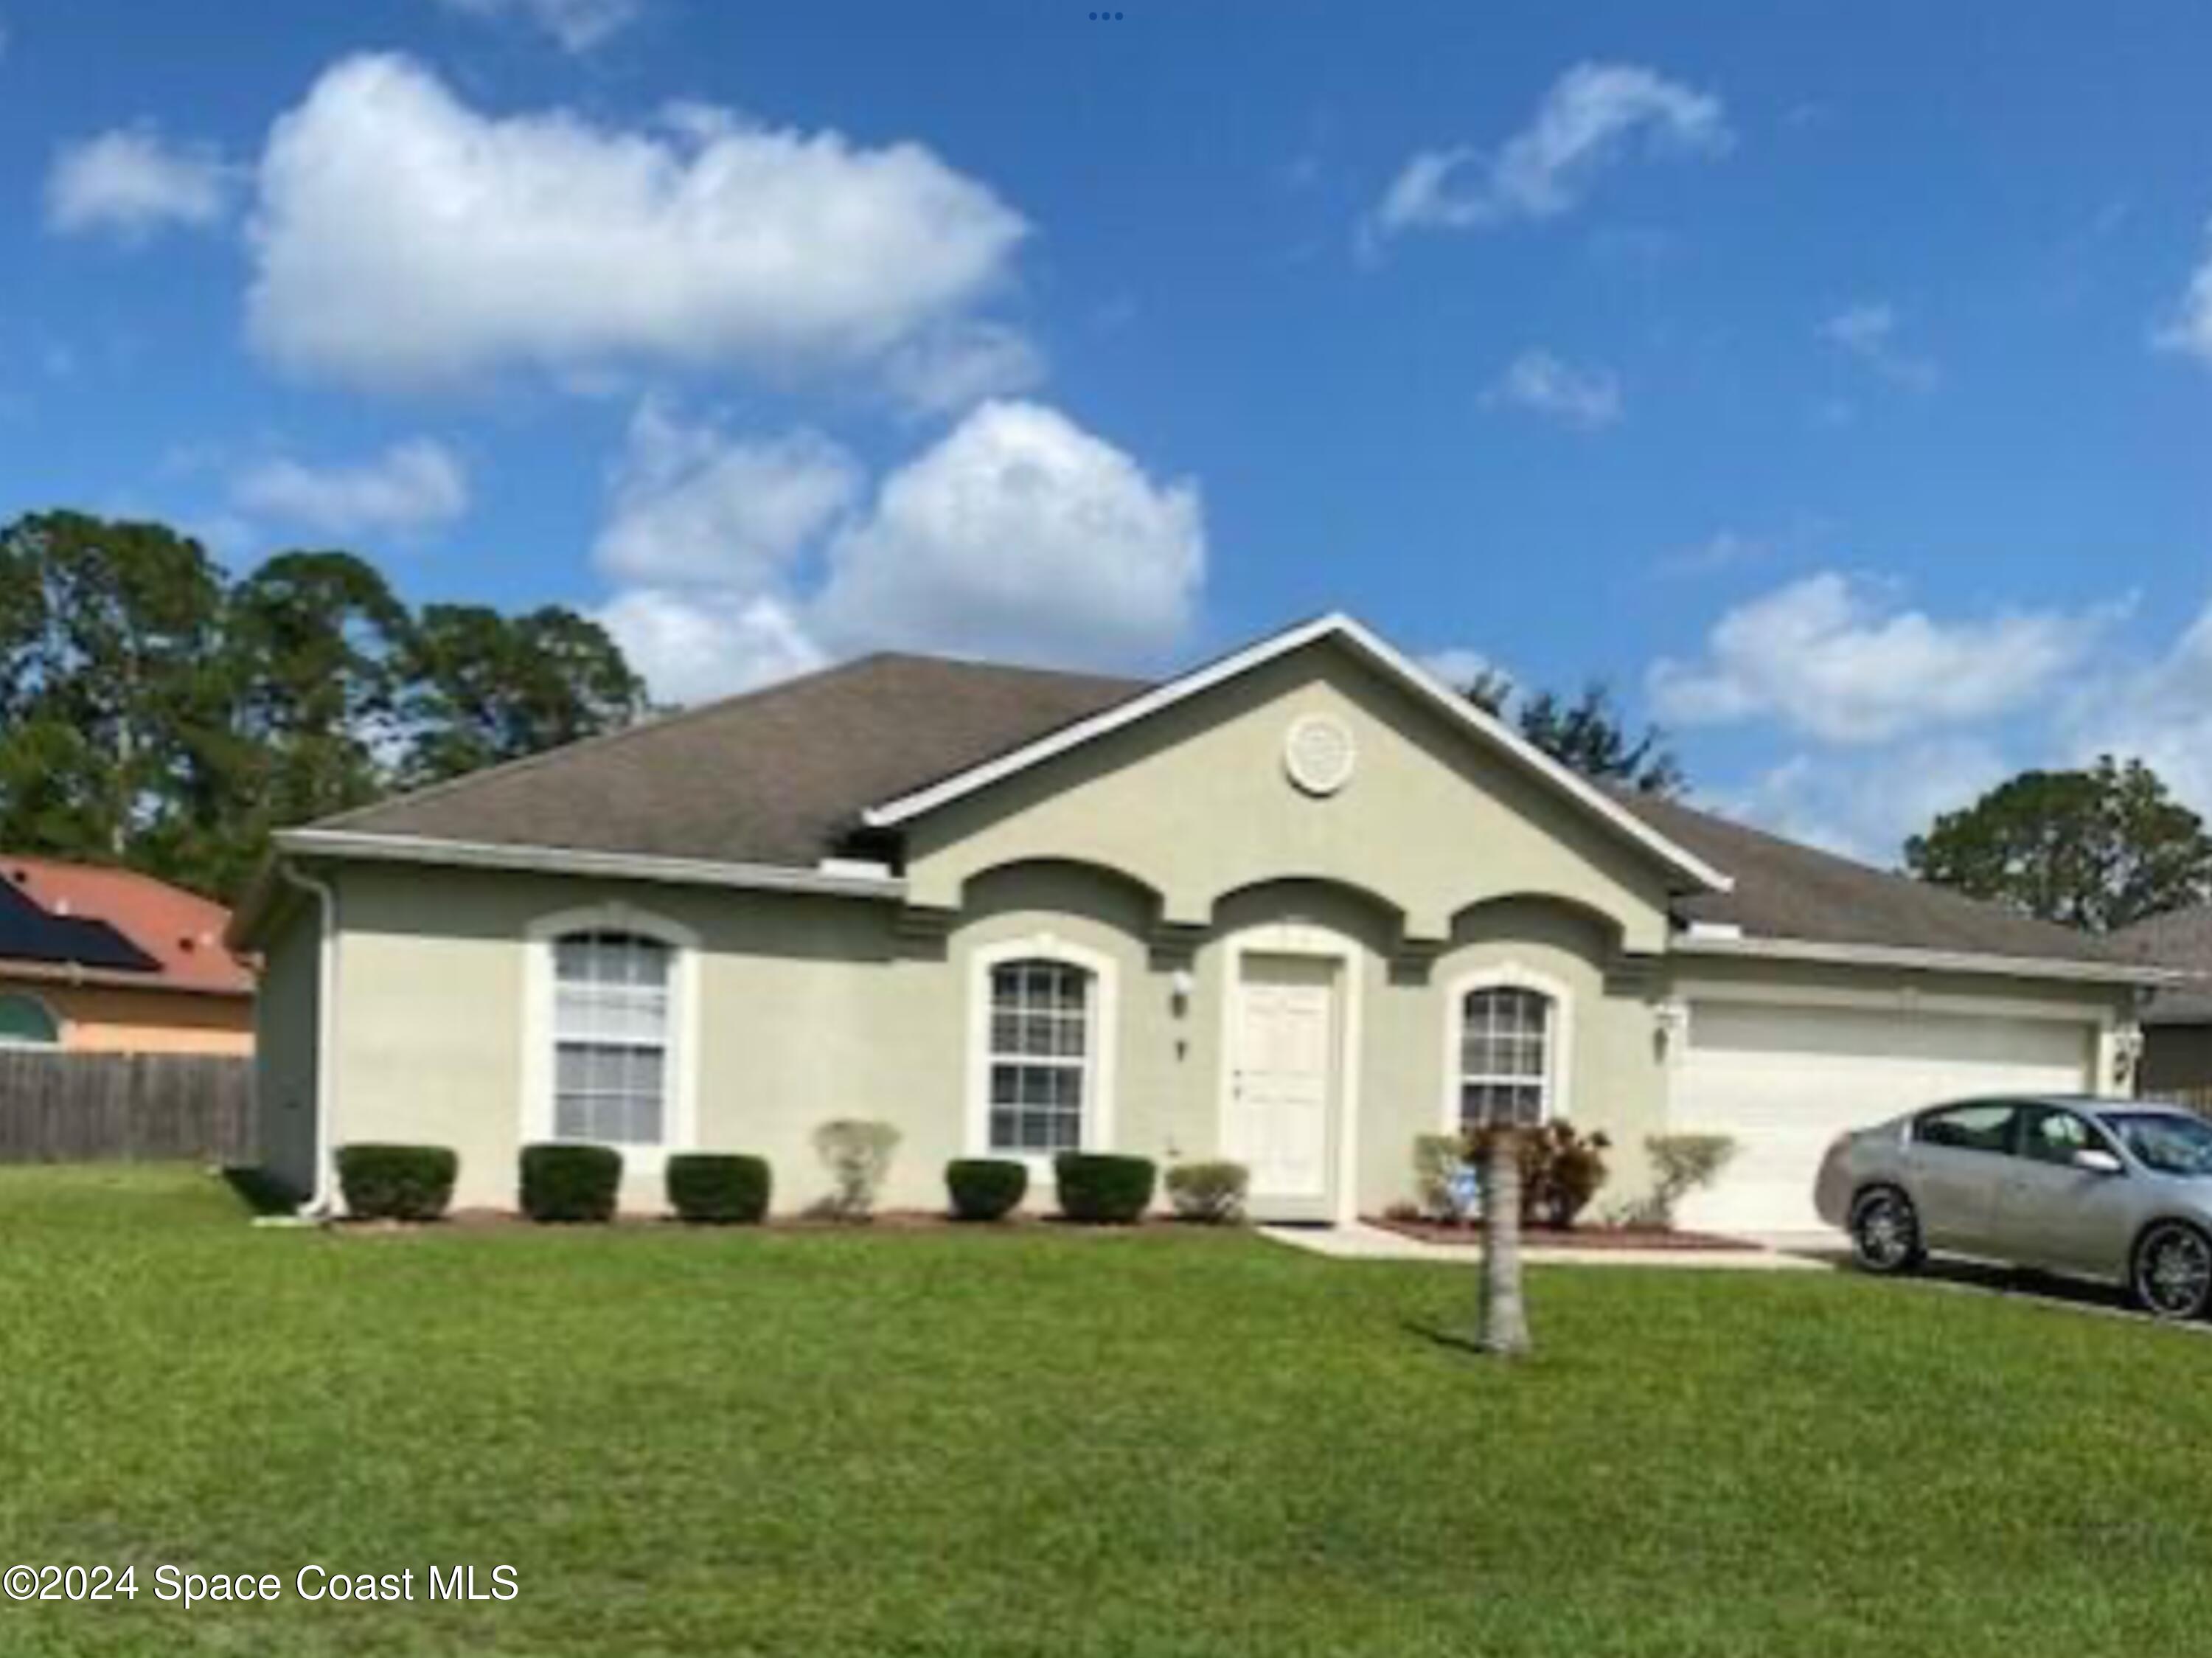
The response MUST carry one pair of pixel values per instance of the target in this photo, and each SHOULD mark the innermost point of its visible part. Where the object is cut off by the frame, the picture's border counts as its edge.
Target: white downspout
(318, 1203)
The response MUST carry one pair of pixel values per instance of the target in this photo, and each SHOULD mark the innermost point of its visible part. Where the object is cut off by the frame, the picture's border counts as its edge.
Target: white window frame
(53, 1018)
(679, 1122)
(1102, 1034)
(1560, 1038)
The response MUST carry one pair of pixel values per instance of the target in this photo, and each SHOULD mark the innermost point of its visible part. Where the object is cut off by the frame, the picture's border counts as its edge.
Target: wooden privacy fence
(91, 1107)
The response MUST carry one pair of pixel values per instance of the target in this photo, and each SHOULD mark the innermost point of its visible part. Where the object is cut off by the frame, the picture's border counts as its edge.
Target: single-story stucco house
(1296, 907)
(2177, 1052)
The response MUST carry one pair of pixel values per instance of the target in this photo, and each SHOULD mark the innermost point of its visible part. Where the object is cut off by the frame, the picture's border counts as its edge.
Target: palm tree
(1505, 1314)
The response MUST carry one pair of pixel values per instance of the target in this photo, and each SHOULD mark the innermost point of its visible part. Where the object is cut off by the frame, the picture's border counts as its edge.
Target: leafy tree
(1590, 733)
(110, 630)
(154, 713)
(2098, 849)
(483, 687)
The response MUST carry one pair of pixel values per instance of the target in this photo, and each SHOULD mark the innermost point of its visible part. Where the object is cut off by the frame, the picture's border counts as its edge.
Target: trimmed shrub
(1681, 1164)
(1561, 1170)
(1100, 1190)
(396, 1183)
(1440, 1165)
(562, 1182)
(718, 1188)
(1211, 1193)
(985, 1188)
(859, 1154)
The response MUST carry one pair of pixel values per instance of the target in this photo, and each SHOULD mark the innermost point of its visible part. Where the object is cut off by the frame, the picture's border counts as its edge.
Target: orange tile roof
(181, 930)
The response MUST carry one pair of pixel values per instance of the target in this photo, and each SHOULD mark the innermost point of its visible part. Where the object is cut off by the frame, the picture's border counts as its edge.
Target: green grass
(967, 1445)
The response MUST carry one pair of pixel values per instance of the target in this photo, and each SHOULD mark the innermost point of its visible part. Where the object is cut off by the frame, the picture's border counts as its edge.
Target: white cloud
(691, 505)
(1021, 534)
(1724, 549)
(1016, 534)
(403, 239)
(1589, 119)
(954, 368)
(2190, 329)
(694, 644)
(413, 486)
(577, 25)
(1829, 657)
(1864, 806)
(129, 182)
(1869, 333)
(2160, 714)
(1586, 400)
(1457, 665)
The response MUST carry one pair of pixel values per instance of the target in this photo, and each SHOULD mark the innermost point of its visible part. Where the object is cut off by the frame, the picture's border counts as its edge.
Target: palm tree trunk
(1505, 1314)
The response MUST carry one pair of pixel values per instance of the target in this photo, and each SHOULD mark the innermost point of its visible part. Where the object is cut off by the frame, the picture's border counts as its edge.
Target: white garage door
(1785, 1081)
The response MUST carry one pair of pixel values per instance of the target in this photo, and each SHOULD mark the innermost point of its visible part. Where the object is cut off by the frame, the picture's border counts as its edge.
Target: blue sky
(1837, 381)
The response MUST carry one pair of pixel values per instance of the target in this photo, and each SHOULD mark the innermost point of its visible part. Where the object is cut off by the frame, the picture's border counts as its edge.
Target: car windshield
(2165, 1142)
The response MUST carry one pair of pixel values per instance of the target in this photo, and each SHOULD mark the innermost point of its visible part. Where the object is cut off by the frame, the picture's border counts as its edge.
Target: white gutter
(573, 861)
(1896, 955)
(318, 1203)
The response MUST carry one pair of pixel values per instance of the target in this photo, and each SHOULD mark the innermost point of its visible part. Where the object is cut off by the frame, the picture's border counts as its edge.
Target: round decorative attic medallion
(1318, 752)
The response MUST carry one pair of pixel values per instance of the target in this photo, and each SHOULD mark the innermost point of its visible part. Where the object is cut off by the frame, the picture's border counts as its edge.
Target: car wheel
(2172, 1275)
(1885, 1231)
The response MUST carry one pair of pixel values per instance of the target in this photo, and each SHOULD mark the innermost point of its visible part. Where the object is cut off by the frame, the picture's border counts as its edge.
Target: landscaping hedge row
(563, 1183)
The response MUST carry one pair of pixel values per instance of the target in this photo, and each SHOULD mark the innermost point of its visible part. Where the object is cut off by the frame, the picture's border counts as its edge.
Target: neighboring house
(2177, 1053)
(95, 959)
(1296, 907)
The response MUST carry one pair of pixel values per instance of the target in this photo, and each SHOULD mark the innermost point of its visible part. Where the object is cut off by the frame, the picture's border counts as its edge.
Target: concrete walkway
(1360, 1241)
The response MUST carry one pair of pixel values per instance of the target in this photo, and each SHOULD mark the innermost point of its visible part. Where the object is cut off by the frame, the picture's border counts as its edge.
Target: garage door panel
(1784, 1081)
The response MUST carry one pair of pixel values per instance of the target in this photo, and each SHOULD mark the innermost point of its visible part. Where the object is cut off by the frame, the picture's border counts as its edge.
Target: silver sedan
(2115, 1190)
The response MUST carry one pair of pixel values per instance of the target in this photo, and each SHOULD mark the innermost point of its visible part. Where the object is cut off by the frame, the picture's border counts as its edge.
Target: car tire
(1886, 1232)
(2171, 1271)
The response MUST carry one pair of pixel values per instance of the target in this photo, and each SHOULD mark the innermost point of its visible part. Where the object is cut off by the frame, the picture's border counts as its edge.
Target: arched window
(612, 1037)
(26, 1022)
(1508, 1036)
(1039, 1052)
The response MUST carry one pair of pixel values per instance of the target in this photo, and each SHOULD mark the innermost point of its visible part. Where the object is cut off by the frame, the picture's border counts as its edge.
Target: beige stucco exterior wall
(1193, 802)
(285, 1016)
(1159, 856)
(115, 1019)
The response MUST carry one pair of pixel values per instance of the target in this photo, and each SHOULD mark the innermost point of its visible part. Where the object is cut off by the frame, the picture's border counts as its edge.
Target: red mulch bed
(1582, 1237)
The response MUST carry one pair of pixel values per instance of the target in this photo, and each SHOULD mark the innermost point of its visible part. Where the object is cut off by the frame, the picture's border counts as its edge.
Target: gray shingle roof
(1786, 890)
(2179, 938)
(781, 776)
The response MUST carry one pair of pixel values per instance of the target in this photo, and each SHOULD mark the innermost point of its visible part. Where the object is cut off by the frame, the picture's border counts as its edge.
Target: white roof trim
(571, 861)
(1899, 955)
(1337, 625)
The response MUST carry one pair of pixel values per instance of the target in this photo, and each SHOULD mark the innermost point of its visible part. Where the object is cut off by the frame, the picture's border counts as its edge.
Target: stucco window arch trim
(1102, 1037)
(46, 1010)
(680, 1130)
(1559, 1046)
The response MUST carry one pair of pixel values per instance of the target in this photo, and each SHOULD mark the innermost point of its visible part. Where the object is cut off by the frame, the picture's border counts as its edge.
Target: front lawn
(969, 1445)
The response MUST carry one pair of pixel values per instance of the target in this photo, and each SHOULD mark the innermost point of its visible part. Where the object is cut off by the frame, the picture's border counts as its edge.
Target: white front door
(1282, 1079)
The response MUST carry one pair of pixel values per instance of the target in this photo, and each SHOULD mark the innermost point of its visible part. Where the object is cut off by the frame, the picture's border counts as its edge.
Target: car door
(1958, 1160)
(2053, 1213)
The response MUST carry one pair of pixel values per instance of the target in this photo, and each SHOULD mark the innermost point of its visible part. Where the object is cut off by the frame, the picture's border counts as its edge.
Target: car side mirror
(2095, 1160)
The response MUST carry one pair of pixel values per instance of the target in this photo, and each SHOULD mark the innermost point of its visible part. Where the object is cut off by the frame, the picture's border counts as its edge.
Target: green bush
(985, 1188)
(718, 1188)
(562, 1182)
(858, 1154)
(1681, 1164)
(1438, 1161)
(1211, 1193)
(1103, 1191)
(1561, 1170)
(396, 1183)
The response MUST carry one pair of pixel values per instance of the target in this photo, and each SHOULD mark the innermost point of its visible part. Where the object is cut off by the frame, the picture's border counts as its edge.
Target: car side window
(1986, 1125)
(2054, 1136)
